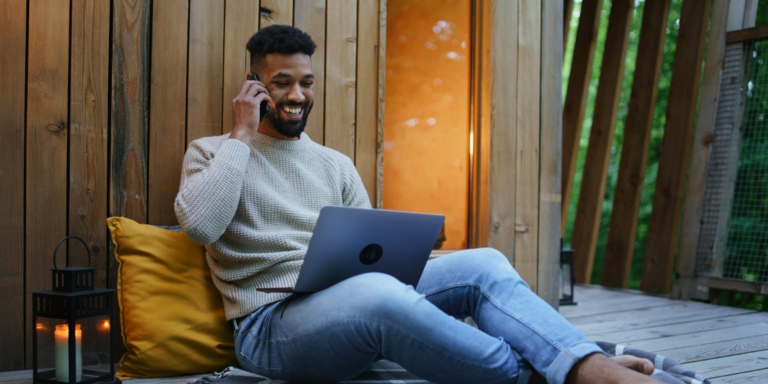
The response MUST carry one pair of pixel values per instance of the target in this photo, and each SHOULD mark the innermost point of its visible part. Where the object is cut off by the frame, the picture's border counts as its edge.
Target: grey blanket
(388, 372)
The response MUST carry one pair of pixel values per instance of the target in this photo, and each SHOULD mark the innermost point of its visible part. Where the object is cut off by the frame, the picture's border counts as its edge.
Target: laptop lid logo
(371, 254)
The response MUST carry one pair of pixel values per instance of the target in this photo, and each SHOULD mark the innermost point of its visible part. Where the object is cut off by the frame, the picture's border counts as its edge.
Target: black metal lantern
(566, 276)
(72, 338)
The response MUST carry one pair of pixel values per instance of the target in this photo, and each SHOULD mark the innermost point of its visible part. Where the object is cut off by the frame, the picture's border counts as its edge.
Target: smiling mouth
(293, 112)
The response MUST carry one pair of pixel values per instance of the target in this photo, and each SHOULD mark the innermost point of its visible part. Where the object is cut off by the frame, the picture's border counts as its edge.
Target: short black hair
(279, 39)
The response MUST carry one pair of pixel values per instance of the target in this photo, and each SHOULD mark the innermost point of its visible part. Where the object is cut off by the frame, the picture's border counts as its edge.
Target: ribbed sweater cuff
(235, 153)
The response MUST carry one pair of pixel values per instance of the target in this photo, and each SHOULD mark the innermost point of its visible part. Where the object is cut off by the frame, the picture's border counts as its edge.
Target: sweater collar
(261, 140)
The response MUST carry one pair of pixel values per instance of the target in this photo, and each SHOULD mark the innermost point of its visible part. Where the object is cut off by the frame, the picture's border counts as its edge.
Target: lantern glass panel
(92, 338)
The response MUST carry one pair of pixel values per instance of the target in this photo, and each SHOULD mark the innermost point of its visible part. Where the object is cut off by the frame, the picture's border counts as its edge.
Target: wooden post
(587, 225)
(167, 124)
(366, 131)
(637, 134)
(550, 147)
(241, 21)
(675, 148)
(13, 45)
(206, 69)
(309, 16)
(576, 98)
(378, 201)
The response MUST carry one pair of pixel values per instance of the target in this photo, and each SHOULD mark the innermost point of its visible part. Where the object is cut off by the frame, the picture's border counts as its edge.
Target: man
(253, 197)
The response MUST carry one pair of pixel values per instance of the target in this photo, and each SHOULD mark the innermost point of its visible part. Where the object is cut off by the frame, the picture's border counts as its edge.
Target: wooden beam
(13, 44)
(576, 96)
(309, 16)
(528, 136)
(340, 67)
(634, 153)
(742, 35)
(366, 131)
(594, 178)
(46, 176)
(167, 124)
(241, 21)
(735, 285)
(675, 148)
(275, 12)
(206, 69)
(503, 165)
(550, 173)
(702, 147)
(378, 200)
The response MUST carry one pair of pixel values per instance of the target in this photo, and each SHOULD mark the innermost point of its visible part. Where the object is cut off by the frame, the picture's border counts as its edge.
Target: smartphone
(263, 108)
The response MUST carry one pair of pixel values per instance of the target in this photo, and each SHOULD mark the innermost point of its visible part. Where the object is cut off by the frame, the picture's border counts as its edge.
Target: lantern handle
(65, 239)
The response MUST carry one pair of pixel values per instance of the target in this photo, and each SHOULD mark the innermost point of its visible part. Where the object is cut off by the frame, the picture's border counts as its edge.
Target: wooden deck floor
(726, 345)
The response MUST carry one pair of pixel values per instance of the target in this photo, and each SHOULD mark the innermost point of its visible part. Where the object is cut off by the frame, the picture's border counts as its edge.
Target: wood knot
(266, 12)
(57, 127)
(95, 249)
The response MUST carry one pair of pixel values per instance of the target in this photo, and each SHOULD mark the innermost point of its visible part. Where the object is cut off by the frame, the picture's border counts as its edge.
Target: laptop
(350, 241)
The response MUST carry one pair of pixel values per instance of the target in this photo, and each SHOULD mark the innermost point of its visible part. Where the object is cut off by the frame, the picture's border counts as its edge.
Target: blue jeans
(335, 334)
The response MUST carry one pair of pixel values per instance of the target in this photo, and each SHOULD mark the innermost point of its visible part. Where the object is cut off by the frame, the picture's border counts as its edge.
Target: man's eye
(307, 84)
(281, 84)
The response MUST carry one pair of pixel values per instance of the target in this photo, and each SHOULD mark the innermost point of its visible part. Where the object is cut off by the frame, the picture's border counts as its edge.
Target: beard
(289, 129)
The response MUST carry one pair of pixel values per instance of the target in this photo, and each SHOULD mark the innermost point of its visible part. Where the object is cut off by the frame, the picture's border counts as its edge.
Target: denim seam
(259, 366)
(501, 308)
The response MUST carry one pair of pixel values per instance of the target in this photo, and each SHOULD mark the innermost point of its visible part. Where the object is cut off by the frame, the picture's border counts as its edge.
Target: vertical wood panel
(46, 186)
(241, 21)
(550, 160)
(379, 203)
(576, 96)
(89, 130)
(13, 45)
(340, 67)
(276, 12)
(503, 127)
(675, 148)
(367, 95)
(595, 174)
(309, 16)
(637, 134)
(167, 125)
(205, 80)
(528, 131)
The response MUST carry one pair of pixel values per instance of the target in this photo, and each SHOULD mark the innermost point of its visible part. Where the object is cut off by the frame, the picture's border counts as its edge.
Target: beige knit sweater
(254, 207)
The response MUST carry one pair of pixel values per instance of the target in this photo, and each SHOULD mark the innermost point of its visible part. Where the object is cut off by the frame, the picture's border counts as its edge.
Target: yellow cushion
(172, 316)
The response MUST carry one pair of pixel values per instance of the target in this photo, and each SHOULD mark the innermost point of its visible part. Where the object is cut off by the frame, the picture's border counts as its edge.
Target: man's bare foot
(637, 364)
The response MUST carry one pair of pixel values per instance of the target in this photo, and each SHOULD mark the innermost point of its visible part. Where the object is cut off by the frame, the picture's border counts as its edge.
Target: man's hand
(245, 110)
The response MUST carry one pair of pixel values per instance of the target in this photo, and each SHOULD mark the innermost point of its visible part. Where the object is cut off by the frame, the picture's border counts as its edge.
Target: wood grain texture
(550, 163)
(275, 12)
(700, 338)
(46, 175)
(379, 203)
(634, 153)
(206, 69)
(309, 16)
(89, 131)
(13, 44)
(747, 34)
(675, 149)
(730, 365)
(241, 21)
(576, 96)
(366, 133)
(587, 225)
(503, 166)
(528, 137)
(702, 148)
(340, 83)
(167, 123)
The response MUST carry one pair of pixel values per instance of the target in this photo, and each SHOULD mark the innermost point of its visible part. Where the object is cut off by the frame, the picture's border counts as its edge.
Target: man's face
(289, 79)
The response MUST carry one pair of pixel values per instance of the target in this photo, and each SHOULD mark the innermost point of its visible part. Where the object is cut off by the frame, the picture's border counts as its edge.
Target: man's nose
(295, 94)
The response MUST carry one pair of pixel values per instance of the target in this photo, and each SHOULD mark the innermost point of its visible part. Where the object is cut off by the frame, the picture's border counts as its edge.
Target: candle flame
(106, 324)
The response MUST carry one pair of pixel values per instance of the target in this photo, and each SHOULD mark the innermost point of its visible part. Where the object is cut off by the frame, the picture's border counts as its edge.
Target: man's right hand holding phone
(246, 110)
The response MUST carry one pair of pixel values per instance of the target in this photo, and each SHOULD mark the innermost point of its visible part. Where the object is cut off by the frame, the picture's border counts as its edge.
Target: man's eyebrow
(284, 75)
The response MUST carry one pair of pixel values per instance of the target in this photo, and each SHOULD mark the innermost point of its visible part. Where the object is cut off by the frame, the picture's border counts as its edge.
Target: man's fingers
(637, 364)
(248, 85)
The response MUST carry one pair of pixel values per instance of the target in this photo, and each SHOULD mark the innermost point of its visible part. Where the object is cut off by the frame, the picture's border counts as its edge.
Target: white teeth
(292, 111)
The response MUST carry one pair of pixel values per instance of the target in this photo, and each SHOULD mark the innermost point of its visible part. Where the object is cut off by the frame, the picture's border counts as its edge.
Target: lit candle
(62, 353)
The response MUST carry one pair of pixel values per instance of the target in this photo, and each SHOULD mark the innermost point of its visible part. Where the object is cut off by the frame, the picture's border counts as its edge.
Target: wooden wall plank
(275, 12)
(634, 153)
(503, 166)
(378, 201)
(576, 96)
(675, 148)
(241, 21)
(702, 146)
(594, 178)
(340, 66)
(46, 186)
(366, 133)
(89, 130)
(550, 161)
(309, 16)
(528, 136)
(206, 72)
(168, 108)
(13, 44)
